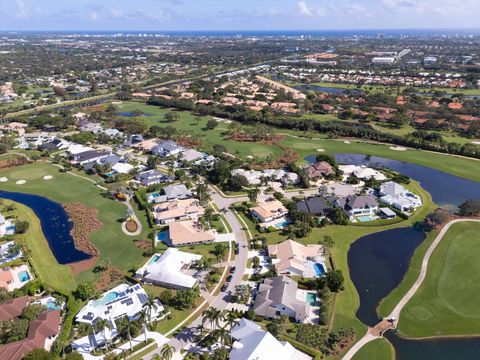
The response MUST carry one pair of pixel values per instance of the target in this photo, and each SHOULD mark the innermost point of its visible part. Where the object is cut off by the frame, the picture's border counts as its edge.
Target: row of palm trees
(215, 318)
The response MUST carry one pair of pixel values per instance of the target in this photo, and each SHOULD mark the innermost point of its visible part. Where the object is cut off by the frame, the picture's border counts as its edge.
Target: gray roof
(278, 290)
(314, 206)
(90, 155)
(178, 191)
(110, 159)
(357, 202)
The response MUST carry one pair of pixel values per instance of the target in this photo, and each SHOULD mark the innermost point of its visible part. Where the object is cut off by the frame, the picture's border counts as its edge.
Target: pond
(379, 261)
(55, 224)
(327, 89)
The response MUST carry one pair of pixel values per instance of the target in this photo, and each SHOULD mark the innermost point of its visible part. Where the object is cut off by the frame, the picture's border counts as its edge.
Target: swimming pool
(311, 298)
(51, 305)
(282, 225)
(365, 218)
(162, 236)
(154, 259)
(24, 276)
(319, 269)
(111, 296)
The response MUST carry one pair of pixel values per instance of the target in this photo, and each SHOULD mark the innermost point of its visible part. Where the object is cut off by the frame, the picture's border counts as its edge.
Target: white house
(399, 197)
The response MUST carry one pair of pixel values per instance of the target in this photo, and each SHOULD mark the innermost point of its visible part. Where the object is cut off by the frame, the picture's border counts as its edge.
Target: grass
(446, 303)
(63, 188)
(177, 316)
(347, 301)
(379, 349)
(57, 276)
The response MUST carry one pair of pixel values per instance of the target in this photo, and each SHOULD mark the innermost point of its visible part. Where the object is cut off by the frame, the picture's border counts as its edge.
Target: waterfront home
(42, 333)
(269, 212)
(122, 301)
(12, 278)
(255, 177)
(318, 170)
(88, 156)
(399, 197)
(183, 233)
(250, 342)
(291, 257)
(151, 177)
(7, 226)
(362, 172)
(170, 269)
(277, 297)
(9, 251)
(357, 205)
(178, 209)
(314, 206)
(167, 148)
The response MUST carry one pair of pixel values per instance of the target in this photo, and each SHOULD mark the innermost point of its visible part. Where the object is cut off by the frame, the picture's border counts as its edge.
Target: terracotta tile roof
(13, 308)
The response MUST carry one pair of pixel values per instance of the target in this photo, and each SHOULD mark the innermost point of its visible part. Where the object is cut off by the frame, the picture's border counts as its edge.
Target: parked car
(214, 347)
(232, 270)
(224, 287)
(229, 278)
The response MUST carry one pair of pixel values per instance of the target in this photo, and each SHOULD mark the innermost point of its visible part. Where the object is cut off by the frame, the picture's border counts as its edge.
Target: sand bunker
(47, 177)
(476, 142)
(320, 150)
(398, 148)
(347, 142)
(3, 179)
(20, 182)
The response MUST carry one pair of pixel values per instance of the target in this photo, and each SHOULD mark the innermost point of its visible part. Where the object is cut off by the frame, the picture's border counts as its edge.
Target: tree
(255, 262)
(335, 280)
(439, 217)
(470, 208)
(339, 217)
(274, 328)
(237, 182)
(211, 124)
(153, 161)
(213, 316)
(167, 352)
(39, 354)
(150, 305)
(219, 251)
(103, 325)
(73, 356)
(328, 241)
(21, 226)
(202, 193)
(253, 194)
(31, 312)
(85, 291)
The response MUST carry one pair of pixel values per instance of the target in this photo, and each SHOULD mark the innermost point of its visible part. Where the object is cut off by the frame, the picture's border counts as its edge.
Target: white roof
(167, 268)
(122, 168)
(256, 344)
(392, 188)
(123, 300)
(75, 149)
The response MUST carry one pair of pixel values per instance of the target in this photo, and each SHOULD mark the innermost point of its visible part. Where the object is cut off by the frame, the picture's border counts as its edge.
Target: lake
(132, 114)
(55, 223)
(378, 262)
(327, 89)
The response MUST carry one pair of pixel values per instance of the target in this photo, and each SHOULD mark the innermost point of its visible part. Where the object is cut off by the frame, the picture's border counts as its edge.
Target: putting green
(447, 301)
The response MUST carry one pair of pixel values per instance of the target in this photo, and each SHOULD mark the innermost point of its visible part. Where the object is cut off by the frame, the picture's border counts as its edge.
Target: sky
(188, 15)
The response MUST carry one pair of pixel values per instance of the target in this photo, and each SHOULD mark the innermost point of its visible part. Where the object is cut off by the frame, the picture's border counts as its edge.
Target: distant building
(383, 60)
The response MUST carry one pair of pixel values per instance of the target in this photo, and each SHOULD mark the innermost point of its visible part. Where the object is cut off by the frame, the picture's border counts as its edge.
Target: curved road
(406, 298)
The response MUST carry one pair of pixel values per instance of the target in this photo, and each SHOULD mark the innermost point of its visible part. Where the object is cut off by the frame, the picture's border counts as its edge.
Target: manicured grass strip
(59, 277)
(447, 301)
(379, 349)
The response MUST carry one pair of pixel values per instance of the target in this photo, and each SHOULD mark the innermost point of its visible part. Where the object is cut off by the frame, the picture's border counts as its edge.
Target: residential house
(269, 211)
(250, 342)
(291, 257)
(277, 297)
(362, 172)
(399, 197)
(170, 269)
(13, 308)
(170, 192)
(357, 205)
(7, 226)
(42, 333)
(319, 169)
(9, 251)
(12, 278)
(314, 206)
(167, 148)
(178, 209)
(150, 177)
(183, 233)
(191, 155)
(89, 156)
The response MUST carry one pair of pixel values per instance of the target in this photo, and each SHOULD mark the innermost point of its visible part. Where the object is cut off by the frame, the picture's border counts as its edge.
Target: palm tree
(223, 335)
(167, 352)
(102, 324)
(253, 194)
(150, 305)
(143, 318)
(230, 319)
(214, 316)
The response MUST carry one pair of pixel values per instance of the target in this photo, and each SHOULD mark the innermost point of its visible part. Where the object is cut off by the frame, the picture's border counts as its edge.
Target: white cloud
(304, 9)
(22, 10)
(93, 15)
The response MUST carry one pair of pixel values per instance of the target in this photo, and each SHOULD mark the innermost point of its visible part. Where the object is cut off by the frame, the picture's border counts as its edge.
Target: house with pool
(280, 296)
(12, 278)
(172, 269)
(270, 212)
(398, 197)
(291, 257)
(357, 207)
(122, 301)
(7, 226)
(9, 251)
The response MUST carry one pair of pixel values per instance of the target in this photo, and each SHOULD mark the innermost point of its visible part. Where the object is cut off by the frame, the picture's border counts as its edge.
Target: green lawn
(59, 277)
(379, 349)
(446, 303)
(109, 239)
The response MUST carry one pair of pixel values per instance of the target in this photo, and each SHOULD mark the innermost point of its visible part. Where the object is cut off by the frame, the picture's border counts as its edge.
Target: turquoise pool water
(111, 296)
(319, 269)
(51, 305)
(282, 225)
(24, 276)
(154, 259)
(365, 218)
(311, 298)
